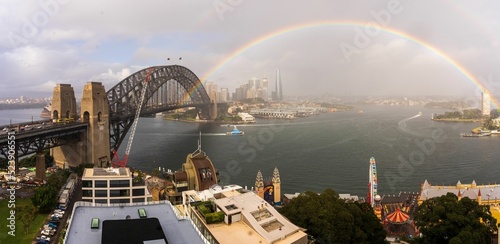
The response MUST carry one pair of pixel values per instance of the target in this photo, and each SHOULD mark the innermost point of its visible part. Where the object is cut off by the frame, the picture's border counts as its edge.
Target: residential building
(112, 185)
(247, 218)
(153, 222)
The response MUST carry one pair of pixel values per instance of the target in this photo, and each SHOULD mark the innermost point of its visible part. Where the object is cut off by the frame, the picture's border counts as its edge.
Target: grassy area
(21, 236)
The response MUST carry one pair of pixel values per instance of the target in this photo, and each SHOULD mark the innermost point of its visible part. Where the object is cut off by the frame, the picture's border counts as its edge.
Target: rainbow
(320, 24)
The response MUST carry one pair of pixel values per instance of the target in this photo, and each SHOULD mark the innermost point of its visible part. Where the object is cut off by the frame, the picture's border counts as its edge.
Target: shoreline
(458, 120)
(207, 121)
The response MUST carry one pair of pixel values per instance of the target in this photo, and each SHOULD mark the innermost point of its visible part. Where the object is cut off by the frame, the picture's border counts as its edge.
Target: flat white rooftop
(176, 230)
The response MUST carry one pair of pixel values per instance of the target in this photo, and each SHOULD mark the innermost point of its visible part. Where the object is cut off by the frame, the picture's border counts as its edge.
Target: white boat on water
(235, 131)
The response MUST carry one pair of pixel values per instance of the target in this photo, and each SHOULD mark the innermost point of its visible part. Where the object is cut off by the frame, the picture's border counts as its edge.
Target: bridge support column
(95, 110)
(40, 166)
(64, 108)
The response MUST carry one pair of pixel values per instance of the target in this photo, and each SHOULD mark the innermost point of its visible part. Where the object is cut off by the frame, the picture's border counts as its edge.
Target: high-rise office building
(485, 103)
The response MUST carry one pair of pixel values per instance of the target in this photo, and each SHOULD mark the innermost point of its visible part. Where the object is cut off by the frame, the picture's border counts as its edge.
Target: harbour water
(331, 150)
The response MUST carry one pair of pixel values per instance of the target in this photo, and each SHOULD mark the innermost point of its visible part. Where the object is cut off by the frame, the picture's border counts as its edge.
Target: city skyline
(362, 48)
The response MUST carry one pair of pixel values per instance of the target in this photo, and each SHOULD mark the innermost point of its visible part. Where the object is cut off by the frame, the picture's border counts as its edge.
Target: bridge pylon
(63, 111)
(95, 110)
(63, 102)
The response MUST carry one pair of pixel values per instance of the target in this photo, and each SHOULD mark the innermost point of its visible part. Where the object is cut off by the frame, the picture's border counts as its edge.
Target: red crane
(123, 163)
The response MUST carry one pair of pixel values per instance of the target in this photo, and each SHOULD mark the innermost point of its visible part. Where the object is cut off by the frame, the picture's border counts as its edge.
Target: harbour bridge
(105, 117)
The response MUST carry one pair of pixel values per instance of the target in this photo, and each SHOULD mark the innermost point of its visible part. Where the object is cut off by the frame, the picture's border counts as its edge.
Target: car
(28, 127)
(43, 242)
(52, 225)
(44, 237)
(47, 227)
(45, 232)
(59, 211)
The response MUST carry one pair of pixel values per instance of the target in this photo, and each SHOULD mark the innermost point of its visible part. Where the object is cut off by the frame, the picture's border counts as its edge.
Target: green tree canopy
(45, 198)
(446, 219)
(27, 213)
(331, 220)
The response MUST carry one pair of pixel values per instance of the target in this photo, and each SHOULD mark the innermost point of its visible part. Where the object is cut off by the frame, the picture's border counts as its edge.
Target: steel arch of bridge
(124, 97)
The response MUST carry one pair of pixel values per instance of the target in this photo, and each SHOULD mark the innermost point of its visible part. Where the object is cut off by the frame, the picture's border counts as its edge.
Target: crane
(123, 163)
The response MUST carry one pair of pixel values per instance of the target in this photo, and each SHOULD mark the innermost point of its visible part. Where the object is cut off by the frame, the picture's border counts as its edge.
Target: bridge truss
(169, 87)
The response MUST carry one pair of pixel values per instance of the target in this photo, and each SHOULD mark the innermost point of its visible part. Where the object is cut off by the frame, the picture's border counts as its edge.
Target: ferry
(474, 134)
(235, 132)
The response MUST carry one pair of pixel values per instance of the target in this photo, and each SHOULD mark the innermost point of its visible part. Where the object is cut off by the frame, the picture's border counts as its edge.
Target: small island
(467, 115)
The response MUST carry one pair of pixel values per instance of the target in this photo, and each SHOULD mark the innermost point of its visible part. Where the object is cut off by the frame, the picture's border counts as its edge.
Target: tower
(259, 185)
(277, 186)
(278, 92)
(95, 111)
(372, 182)
(280, 95)
(63, 102)
(485, 103)
(64, 110)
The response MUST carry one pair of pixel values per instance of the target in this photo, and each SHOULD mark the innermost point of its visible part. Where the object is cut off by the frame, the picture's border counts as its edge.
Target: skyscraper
(277, 95)
(485, 103)
(224, 95)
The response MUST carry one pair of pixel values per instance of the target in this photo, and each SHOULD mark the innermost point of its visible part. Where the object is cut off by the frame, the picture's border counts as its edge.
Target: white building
(485, 103)
(247, 217)
(247, 118)
(112, 185)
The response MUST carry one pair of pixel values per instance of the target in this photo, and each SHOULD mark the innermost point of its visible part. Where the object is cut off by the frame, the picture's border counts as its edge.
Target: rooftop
(490, 191)
(106, 172)
(258, 216)
(119, 222)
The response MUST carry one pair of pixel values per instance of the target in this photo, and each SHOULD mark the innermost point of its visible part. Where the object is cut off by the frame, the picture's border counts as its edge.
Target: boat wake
(402, 125)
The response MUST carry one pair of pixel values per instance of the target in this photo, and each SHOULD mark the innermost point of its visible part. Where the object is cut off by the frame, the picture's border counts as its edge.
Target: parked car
(53, 225)
(45, 232)
(45, 238)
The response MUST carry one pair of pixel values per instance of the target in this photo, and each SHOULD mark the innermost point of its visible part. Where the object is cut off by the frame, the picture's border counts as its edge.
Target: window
(95, 223)
(86, 193)
(119, 183)
(138, 199)
(103, 201)
(119, 200)
(138, 192)
(101, 193)
(86, 183)
(142, 213)
(101, 183)
(119, 193)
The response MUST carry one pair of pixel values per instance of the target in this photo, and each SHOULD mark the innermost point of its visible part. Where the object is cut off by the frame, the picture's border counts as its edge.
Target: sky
(341, 48)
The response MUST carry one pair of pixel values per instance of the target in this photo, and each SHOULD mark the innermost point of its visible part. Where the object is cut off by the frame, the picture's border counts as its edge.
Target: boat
(474, 134)
(46, 112)
(235, 132)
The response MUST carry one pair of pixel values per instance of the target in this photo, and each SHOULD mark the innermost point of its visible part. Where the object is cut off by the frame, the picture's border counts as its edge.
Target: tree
(331, 220)
(446, 219)
(27, 213)
(44, 198)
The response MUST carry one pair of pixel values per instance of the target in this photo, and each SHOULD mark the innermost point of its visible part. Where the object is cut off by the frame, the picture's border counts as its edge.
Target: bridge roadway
(40, 136)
